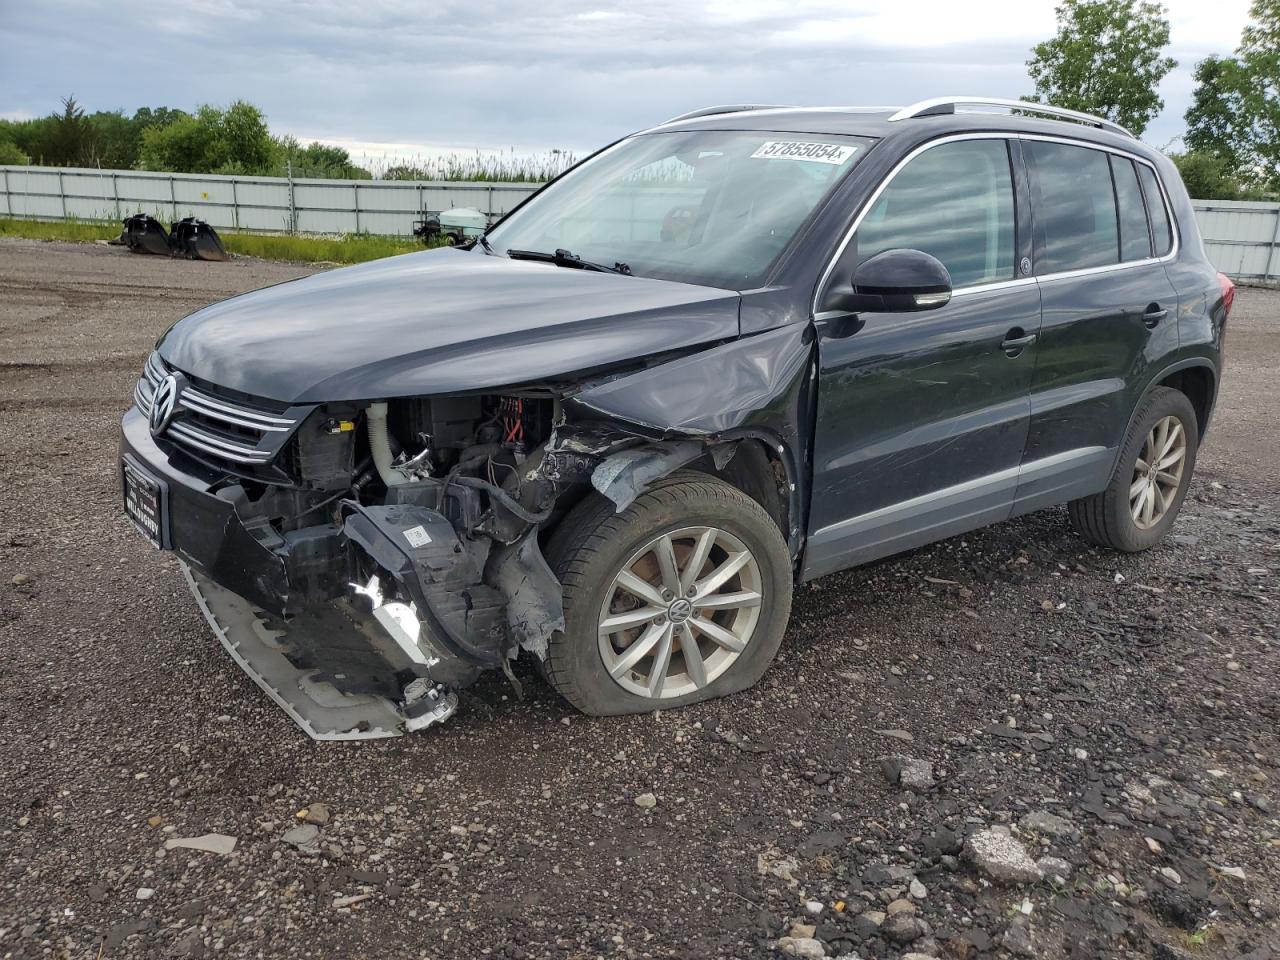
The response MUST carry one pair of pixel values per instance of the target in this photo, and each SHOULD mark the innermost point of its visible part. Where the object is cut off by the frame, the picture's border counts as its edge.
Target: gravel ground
(1115, 713)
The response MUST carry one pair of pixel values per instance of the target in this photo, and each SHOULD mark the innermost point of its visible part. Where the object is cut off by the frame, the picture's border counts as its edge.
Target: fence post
(115, 191)
(8, 197)
(355, 192)
(235, 205)
(293, 213)
(1271, 250)
(173, 197)
(62, 194)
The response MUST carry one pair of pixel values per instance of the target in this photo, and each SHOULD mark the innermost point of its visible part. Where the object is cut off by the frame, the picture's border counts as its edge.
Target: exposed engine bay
(365, 560)
(418, 520)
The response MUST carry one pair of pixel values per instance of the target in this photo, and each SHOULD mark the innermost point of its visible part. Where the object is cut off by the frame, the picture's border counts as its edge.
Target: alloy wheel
(1157, 475)
(679, 612)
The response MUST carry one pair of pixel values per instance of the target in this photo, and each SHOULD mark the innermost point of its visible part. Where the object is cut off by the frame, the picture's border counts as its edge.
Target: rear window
(1160, 225)
(1135, 236)
(1075, 215)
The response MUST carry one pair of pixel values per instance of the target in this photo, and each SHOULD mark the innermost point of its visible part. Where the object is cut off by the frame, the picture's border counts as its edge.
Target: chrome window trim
(1164, 197)
(1017, 281)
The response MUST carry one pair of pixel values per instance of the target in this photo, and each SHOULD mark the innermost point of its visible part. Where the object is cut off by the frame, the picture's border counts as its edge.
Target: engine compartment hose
(380, 444)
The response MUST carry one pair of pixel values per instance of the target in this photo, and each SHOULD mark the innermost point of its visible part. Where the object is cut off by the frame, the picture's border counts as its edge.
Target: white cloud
(385, 74)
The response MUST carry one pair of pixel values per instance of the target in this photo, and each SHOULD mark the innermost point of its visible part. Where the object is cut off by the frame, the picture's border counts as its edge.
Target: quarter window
(1160, 226)
(954, 201)
(1075, 213)
(1135, 235)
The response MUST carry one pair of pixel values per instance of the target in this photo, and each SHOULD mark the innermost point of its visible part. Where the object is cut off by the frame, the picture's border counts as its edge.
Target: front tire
(1142, 501)
(679, 598)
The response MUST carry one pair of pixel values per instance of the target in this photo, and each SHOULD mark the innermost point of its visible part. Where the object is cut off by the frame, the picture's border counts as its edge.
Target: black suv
(735, 352)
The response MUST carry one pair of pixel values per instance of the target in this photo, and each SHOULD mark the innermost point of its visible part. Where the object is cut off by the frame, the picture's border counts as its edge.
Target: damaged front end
(392, 552)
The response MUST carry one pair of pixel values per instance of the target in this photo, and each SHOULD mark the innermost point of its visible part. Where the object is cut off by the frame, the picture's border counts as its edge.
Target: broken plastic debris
(209, 842)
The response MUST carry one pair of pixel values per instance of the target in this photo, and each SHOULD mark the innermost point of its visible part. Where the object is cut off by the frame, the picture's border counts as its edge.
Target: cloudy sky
(400, 76)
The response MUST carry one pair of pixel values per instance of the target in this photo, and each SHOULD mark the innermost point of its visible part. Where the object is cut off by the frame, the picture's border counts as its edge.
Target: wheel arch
(1194, 377)
(1198, 380)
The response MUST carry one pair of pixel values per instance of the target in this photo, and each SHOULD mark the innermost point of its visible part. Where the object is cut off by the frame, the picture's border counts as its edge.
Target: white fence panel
(1242, 239)
(274, 204)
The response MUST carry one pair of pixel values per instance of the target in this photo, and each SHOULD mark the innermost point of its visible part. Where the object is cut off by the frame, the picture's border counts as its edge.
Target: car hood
(440, 321)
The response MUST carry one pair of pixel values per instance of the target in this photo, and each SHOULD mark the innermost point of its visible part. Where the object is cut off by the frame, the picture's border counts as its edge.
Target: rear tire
(701, 527)
(1151, 477)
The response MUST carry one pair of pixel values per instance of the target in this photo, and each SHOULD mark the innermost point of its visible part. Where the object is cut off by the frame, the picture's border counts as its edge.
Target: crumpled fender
(745, 377)
(754, 387)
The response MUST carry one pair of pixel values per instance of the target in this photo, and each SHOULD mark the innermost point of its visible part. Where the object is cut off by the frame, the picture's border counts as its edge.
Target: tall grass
(348, 248)
(503, 166)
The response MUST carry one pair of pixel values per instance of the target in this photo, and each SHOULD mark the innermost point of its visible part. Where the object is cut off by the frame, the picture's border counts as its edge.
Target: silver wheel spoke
(661, 662)
(1135, 488)
(665, 551)
(717, 634)
(1161, 500)
(1167, 478)
(1142, 465)
(639, 649)
(721, 574)
(1170, 459)
(693, 663)
(1148, 503)
(727, 601)
(630, 618)
(629, 582)
(688, 601)
(697, 560)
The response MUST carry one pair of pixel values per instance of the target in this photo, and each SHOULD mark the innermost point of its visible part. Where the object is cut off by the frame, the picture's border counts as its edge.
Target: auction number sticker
(833, 153)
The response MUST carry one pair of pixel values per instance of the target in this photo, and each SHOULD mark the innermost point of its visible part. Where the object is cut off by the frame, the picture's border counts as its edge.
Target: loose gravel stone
(806, 947)
(997, 855)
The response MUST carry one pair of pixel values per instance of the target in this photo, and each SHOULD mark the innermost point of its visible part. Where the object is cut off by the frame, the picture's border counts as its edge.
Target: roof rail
(944, 105)
(712, 111)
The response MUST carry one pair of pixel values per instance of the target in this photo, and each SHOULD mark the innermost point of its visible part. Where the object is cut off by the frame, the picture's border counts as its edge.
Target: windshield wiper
(563, 258)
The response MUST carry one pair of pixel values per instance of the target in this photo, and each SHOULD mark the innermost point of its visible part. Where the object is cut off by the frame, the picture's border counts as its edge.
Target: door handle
(1016, 340)
(1155, 313)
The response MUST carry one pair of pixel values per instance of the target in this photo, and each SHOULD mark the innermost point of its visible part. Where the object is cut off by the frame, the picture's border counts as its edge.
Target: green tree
(10, 154)
(186, 145)
(65, 139)
(1107, 58)
(1210, 176)
(243, 142)
(1235, 112)
(145, 117)
(115, 138)
(317, 160)
(235, 140)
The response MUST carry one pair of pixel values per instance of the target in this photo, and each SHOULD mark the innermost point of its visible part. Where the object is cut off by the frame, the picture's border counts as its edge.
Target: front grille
(217, 428)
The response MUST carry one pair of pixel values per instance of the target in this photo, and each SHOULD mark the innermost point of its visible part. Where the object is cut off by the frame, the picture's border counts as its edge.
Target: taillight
(1228, 293)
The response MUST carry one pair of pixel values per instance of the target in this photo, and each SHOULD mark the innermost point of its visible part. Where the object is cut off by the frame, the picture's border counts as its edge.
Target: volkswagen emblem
(163, 403)
(680, 610)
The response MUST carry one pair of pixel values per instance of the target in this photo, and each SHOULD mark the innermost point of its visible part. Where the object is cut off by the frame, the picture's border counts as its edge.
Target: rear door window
(1135, 236)
(1160, 226)
(1075, 211)
(954, 201)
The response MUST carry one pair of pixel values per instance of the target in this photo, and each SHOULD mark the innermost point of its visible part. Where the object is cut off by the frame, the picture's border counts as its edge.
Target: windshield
(707, 207)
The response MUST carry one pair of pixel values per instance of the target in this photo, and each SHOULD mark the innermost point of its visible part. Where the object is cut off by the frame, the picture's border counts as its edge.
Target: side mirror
(894, 281)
